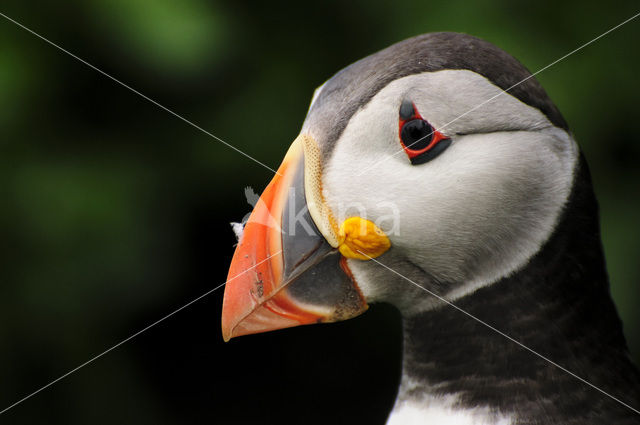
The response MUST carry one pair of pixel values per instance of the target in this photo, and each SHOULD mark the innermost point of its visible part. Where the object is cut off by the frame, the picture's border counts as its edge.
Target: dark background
(116, 213)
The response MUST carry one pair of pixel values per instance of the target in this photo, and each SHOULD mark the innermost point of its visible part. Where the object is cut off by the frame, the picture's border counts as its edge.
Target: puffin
(436, 175)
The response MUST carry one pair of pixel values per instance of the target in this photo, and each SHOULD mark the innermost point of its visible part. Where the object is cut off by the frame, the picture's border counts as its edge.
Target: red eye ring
(418, 133)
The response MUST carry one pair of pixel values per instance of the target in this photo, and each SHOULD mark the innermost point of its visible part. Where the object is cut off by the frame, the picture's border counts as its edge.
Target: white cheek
(474, 214)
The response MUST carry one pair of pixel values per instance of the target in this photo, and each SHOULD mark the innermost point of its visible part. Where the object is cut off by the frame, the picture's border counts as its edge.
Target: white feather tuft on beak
(238, 229)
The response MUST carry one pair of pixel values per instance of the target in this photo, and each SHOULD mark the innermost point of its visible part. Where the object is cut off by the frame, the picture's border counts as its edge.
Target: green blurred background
(115, 213)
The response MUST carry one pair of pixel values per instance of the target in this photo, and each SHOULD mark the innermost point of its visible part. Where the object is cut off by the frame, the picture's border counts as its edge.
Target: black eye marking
(407, 111)
(420, 141)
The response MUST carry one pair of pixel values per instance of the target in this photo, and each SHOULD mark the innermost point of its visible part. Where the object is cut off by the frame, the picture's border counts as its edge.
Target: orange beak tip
(226, 336)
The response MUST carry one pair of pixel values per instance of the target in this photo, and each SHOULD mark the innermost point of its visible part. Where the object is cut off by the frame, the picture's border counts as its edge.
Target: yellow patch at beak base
(361, 239)
(357, 237)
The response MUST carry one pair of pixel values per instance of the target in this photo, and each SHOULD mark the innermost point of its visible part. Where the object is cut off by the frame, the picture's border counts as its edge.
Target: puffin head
(439, 157)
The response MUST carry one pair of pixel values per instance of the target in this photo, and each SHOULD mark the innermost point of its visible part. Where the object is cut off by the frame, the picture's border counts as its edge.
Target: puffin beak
(284, 273)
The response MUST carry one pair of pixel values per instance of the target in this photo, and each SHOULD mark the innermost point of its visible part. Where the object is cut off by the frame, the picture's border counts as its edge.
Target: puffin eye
(420, 141)
(416, 134)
